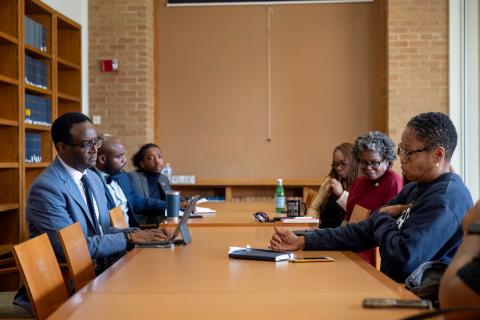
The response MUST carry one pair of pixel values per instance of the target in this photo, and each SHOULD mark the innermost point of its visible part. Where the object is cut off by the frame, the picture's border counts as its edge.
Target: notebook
(259, 254)
(180, 229)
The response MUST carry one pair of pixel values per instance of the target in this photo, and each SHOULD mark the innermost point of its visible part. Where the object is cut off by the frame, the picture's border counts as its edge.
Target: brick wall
(417, 33)
(124, 99)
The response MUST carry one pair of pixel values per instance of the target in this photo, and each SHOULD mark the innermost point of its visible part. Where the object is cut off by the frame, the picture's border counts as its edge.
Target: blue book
(27, 69)
(44, 38)
(28, 149)
(28, 108)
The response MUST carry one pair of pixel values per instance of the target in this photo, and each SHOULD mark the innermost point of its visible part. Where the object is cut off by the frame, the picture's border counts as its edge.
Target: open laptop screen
(181, 225)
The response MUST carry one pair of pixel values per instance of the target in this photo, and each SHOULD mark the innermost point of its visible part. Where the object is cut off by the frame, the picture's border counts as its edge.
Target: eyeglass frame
(374, 165)
(87, 146)
(339, 164)
(407, 154)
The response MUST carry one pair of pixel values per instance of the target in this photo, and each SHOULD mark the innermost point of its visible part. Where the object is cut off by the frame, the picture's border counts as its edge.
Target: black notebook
(260, 254)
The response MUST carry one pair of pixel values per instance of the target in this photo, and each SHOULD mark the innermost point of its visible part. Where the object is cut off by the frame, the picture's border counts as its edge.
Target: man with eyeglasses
(119, 190)
(422, 223)
(68, 191)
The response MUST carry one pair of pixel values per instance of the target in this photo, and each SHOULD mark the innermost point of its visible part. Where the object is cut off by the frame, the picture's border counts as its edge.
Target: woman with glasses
(375, 152)
(329, 204)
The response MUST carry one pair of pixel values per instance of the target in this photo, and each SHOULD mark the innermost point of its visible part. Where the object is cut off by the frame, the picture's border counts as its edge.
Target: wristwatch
(474, 228)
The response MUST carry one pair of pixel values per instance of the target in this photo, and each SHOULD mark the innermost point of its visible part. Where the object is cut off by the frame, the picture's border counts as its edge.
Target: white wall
(464, 83)
(77, 10)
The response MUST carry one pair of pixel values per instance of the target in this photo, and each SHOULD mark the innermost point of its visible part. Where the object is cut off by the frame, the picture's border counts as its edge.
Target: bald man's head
(111, 157)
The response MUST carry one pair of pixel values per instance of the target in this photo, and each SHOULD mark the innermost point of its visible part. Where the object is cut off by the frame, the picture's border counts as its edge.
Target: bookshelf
(31, 31)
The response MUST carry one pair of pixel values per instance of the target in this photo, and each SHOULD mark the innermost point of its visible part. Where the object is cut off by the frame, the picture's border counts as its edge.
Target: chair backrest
(359, 213)
(309, 196)
(80, 265)
(117, 219)
(43, 279)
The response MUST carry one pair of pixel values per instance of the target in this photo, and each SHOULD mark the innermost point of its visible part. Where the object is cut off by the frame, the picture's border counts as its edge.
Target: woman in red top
(375, 152)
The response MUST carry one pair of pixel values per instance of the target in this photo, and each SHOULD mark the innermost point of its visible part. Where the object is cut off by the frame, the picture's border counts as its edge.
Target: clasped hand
(395, 210)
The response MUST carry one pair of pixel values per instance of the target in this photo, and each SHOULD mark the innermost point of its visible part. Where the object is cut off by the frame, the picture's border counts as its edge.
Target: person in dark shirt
(147, 179)
(119, 189)
(422, 223)
(460, 285)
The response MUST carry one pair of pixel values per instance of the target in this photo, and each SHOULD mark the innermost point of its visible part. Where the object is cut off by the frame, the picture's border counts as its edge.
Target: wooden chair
(359, 213)
(79, 261)
(310, 196)
(117, 219)
(10, 279)
(43, 279)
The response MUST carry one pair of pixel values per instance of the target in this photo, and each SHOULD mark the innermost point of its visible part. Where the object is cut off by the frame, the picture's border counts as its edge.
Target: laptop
(180, 229)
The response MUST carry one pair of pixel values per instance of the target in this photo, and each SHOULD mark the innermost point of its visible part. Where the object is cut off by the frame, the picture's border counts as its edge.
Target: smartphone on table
(312, 259)
(396, 303)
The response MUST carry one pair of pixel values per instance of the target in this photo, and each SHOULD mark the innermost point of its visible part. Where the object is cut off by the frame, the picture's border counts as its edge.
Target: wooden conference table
(199, 281)
(237, 214)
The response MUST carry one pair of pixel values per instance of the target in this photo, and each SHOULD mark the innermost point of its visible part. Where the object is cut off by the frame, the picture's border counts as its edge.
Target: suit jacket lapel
(124, 184)
(72, 189)
(143, 178)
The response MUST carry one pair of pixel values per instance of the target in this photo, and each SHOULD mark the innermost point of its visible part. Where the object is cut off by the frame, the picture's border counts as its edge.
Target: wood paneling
(327, 86)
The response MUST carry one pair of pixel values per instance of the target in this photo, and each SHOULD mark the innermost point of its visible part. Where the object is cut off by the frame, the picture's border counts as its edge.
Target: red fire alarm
(109, 65)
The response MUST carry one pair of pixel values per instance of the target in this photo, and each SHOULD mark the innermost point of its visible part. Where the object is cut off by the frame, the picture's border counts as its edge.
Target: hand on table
(284, 239)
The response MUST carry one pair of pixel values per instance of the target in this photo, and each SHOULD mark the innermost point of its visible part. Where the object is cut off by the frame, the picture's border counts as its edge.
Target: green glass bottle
(279, 197)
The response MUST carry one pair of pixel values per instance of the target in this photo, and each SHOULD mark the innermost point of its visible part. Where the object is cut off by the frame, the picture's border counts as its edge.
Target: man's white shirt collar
(74, 173)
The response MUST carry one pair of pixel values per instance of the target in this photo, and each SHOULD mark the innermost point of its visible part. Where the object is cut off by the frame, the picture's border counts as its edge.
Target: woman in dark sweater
(147, 179)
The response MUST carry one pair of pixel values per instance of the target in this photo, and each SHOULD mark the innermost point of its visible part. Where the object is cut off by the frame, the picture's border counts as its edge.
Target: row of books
(33, 147)
(35, 34)
(38, 110)
(36, 72)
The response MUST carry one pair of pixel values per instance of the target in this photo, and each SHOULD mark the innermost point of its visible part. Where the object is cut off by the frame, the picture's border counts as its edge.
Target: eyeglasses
(405, 153)
(339, 164)
(87, 146)
(372, 164)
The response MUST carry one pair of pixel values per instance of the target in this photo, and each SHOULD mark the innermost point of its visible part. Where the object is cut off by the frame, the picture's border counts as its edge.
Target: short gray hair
(376, 141)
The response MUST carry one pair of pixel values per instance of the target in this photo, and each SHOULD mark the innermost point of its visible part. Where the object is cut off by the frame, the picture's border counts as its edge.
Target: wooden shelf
(9, 165)
(36, 165)
(37, 127)
(5, 248)
(37, 7)
(253, 182)
(8, 207)
(37, 53)
(6, 122)
(246, 189)
(67, 98)
(38, 90)
(8, 80)
(66, 65)
(6, 38)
